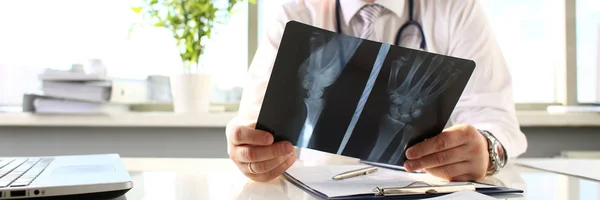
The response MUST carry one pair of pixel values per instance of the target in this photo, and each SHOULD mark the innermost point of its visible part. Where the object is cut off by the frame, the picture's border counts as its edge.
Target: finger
(445, 140)
(246, 135)
(451, 156)
(248, 153)
(466, 177)
(251, 125)
(452, 170)
(264, 177)
(264, 166)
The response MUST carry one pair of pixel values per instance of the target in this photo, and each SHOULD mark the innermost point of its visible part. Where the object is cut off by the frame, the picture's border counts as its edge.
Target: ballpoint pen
(354, 173)
(392, 167)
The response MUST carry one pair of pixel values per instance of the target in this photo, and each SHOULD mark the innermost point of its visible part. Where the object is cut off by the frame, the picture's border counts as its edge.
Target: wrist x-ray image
(323, 66)
(345, 95)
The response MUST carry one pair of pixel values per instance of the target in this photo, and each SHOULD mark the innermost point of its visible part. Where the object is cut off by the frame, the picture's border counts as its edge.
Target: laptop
(64, 177)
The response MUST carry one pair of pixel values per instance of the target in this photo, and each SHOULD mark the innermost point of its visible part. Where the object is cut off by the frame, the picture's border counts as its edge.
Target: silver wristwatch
(497, 153)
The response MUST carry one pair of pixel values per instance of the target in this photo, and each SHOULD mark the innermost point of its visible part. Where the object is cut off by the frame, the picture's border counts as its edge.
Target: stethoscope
(411, 21)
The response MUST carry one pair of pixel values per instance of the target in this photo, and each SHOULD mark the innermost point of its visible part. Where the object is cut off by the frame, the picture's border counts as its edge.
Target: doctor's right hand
(257, 156)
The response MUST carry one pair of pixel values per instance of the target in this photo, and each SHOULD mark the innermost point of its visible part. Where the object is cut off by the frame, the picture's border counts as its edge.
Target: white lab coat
(456, 28)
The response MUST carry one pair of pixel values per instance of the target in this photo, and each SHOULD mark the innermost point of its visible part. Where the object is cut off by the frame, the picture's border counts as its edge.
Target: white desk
(190, 179)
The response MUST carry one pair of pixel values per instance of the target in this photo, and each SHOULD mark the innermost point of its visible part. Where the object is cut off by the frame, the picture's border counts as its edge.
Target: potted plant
(191, 23)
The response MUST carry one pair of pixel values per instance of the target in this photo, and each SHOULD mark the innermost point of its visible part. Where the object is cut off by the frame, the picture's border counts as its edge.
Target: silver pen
(355, 173)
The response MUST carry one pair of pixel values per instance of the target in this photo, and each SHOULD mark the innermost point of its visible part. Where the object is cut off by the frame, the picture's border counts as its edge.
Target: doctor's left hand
(459, 153)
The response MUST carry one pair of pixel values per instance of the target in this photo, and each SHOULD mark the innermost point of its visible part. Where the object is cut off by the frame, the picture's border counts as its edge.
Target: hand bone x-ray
(359, 98)
(325, 63)
(408, 95)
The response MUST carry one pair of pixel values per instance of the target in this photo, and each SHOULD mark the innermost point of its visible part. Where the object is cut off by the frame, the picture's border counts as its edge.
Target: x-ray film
(359, 98)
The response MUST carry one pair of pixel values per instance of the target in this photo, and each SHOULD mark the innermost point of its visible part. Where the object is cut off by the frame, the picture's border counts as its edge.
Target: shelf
(220, 120)
(545, 119)
(217, 120)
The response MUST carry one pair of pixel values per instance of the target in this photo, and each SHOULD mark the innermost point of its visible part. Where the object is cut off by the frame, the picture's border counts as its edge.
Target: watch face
(500, 154)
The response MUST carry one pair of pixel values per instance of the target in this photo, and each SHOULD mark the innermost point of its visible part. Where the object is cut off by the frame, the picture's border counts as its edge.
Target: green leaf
(137, 10)
(189, 21)
(159, 24)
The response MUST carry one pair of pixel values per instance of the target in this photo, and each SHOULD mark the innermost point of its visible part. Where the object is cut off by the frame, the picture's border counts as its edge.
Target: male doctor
(484, 131)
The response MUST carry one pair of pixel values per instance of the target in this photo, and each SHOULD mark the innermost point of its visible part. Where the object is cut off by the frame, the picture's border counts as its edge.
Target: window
(588, 50)
(56, 34)
(531, 35)
(532, 39)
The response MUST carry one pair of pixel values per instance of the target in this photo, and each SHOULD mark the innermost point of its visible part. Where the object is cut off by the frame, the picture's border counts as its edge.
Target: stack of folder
(72, 92)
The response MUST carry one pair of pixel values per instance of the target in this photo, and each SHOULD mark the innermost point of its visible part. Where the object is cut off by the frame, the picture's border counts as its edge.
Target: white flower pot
(191, 93)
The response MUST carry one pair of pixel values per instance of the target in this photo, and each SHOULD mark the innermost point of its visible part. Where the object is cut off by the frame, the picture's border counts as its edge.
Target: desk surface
(190, 179)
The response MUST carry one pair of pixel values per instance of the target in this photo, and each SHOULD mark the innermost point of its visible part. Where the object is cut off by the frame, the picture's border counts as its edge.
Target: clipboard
(415, 190)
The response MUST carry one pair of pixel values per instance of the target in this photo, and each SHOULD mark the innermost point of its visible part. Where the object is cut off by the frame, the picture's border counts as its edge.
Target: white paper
(587, 168)
(320, 178)
(464, 195)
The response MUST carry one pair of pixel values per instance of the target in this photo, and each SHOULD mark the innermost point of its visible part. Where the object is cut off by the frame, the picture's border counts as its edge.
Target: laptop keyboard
(20, 172)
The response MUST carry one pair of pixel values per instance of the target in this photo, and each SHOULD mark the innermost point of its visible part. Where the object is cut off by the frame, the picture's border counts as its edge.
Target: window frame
(253, 36)
(570, 76)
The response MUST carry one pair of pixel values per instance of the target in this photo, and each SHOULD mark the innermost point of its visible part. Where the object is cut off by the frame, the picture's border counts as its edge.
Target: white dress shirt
(456, 28)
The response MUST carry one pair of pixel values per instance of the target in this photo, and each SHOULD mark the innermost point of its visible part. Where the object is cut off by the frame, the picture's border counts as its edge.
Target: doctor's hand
(257, 156)
(459, 153)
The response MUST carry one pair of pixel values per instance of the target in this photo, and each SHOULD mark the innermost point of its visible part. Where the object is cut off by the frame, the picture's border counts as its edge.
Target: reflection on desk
(190, 179)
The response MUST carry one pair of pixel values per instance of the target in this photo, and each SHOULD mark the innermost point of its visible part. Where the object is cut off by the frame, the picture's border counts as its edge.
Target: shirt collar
(349, 8)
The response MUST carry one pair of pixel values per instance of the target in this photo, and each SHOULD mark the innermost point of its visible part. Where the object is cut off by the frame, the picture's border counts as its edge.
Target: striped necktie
(369, 15)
